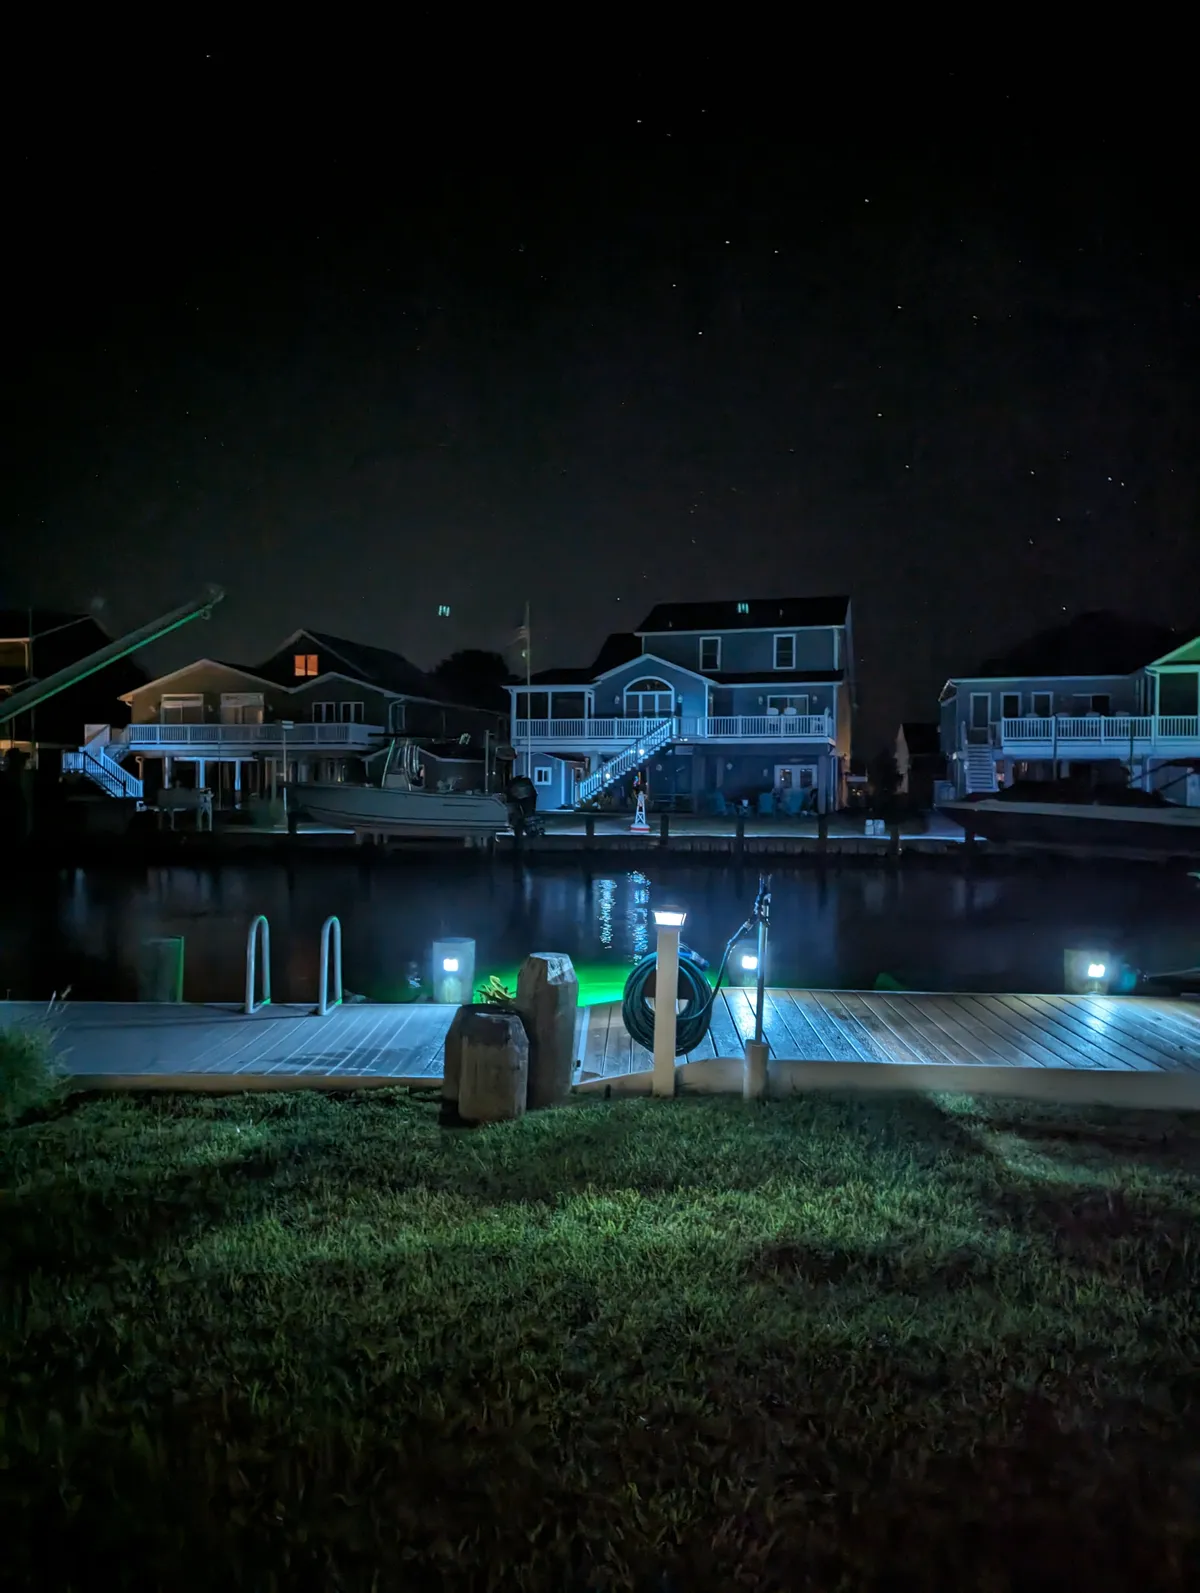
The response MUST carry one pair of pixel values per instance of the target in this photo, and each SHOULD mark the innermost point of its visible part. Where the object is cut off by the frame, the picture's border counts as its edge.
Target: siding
(691, 694)
(746, 650)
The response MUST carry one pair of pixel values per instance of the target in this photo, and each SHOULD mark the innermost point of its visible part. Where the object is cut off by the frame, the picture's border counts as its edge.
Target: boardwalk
(1115, 1033)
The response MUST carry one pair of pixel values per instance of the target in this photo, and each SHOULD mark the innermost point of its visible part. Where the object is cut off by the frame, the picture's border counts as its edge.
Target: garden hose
(692, 1025)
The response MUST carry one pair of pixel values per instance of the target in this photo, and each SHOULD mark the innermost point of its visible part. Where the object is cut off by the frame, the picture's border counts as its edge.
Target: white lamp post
(666, 993)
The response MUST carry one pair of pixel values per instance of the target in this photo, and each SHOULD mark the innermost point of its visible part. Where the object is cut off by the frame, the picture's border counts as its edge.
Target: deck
(372, 1042)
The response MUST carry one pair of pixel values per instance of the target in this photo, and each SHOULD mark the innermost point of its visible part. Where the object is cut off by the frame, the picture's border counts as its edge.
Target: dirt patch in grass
(289, 1341)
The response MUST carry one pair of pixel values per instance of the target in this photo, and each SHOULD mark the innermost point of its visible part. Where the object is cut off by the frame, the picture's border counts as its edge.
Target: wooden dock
(374, 1042)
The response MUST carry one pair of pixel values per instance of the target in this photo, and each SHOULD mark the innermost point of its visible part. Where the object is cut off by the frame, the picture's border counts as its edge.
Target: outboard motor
(521, 797)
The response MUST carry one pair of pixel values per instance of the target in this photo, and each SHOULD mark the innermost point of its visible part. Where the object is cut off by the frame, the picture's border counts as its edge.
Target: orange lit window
(306, 666)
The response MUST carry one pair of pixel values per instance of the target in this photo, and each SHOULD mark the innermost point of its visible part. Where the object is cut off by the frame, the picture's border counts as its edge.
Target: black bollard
(664, 829)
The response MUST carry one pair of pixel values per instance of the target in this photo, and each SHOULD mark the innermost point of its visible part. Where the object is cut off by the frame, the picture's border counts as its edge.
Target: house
(1098, 697)
(716, 703)
(37, 643)
(315, 709)
(920, 762)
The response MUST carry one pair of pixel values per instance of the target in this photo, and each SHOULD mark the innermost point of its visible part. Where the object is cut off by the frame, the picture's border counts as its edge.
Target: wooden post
(548, 1001)
(664, 829)
(754, 1073)
(822, 832)
(589, 827)
(894, 838)
(739, 844)
(494, 1077)
(666, 994)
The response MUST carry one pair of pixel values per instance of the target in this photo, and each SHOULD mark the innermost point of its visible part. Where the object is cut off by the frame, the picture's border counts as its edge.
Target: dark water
(931, 928)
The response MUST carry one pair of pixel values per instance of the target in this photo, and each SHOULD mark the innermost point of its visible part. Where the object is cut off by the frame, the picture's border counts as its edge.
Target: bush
(29, 1075)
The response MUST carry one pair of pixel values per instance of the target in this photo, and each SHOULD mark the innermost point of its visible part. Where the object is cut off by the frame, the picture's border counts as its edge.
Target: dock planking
(378, 1041)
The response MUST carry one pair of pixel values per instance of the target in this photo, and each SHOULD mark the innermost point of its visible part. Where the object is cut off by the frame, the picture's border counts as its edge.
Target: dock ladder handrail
(252, 939)
(331, 930)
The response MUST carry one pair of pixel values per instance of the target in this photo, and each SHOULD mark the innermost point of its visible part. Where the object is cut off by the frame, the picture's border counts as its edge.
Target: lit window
(306, 666)
(443, 611)
(541, 775)
(785, 652)
(743, 608)
(710, 652)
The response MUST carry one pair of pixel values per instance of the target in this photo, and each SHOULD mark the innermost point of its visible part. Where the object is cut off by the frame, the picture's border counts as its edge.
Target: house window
(785, 652)
(351, 712)
(182, 710)
(542, 775)
(1043, 705)
(743, 608)
(305, 666)
(1102, 703)
(324, 713)
(710, 652)
(241, 708)
(649, 699)
(1010, 705)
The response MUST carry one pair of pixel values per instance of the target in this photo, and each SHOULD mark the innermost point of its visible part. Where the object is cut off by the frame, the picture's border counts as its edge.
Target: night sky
(359, 345)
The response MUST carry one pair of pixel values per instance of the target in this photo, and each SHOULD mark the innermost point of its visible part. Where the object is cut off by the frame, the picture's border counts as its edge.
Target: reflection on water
(930, 928)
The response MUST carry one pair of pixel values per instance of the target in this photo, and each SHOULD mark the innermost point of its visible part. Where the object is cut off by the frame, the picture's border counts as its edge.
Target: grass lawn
(309, 1342)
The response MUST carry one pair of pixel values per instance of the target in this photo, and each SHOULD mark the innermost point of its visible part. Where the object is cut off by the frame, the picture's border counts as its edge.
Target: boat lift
(20, 702)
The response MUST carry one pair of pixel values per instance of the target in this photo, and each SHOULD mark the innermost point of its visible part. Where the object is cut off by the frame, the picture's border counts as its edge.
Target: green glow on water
(599, 982)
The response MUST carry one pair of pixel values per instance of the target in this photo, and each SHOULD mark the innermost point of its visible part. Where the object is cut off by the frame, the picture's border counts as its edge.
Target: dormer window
(743, 608)
(305, 666)
(710, 652)
(785, 652)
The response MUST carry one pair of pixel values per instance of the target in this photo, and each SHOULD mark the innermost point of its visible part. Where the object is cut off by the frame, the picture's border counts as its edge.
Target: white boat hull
(414, 813)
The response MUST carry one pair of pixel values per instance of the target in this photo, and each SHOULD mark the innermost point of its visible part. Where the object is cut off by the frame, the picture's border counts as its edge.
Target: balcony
(1120, 735)
(216, 740)
(605, 733)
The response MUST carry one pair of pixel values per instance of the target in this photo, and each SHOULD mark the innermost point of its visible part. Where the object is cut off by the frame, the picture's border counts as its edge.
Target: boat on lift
(1106, 820)
(398, 806)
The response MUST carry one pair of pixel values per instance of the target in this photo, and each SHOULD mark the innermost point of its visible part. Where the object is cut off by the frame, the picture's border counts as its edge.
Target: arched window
(649, 699)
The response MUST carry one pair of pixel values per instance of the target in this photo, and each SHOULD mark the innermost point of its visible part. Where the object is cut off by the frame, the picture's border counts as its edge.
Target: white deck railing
(1144, 732)
(300, 736)
(734, 727)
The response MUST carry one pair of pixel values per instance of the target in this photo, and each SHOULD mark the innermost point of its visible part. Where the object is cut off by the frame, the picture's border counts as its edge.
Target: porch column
(166, 774)
(237, 782)
(201, 765)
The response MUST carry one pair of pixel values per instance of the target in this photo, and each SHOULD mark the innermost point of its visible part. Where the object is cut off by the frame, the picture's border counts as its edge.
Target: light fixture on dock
(453, 970)
(1088, 972)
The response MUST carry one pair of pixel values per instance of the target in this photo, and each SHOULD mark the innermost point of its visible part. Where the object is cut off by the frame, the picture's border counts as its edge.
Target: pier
(220, 1046)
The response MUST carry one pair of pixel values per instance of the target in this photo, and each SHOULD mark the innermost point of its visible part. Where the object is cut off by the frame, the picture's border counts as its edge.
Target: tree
(474, 675)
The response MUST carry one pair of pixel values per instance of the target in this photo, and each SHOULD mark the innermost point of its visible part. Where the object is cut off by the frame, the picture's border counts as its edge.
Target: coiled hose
(692, 1024)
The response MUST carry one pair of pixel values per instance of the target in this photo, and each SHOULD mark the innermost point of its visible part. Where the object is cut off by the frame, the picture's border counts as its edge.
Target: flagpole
(528, 696)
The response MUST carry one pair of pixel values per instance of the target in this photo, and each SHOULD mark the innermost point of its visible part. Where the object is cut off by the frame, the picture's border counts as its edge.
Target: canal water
(931, 928)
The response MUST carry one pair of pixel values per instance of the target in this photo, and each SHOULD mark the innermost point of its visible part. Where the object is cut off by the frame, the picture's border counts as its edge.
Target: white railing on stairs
(631, 758)
(103, 771)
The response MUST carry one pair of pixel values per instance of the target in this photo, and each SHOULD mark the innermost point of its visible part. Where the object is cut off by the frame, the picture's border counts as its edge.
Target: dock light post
(666, 991)
(453, 970)
(754, 1069)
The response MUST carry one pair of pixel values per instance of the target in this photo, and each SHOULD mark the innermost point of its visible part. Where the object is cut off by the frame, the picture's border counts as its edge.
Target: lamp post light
(669, 922)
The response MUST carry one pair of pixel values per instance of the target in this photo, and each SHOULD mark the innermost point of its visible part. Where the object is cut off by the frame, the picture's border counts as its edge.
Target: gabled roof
(378, 666)
(763, 613)
(199, 663)
(619, 648)
(1188, 653)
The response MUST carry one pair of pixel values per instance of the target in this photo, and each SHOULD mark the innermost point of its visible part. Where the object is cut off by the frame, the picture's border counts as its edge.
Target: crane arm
(21, 702)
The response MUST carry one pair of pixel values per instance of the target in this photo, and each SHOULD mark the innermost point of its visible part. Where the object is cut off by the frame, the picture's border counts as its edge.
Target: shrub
(29, 1075)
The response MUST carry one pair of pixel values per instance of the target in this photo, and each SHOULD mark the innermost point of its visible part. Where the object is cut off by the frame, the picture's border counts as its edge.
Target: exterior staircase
(630, 758)
(96, 762)
(981, 770)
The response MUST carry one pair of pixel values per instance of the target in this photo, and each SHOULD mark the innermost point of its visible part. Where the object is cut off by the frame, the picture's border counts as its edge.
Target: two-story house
(315, 709)
(1115, 701)
(715, 703)
(37, 643)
